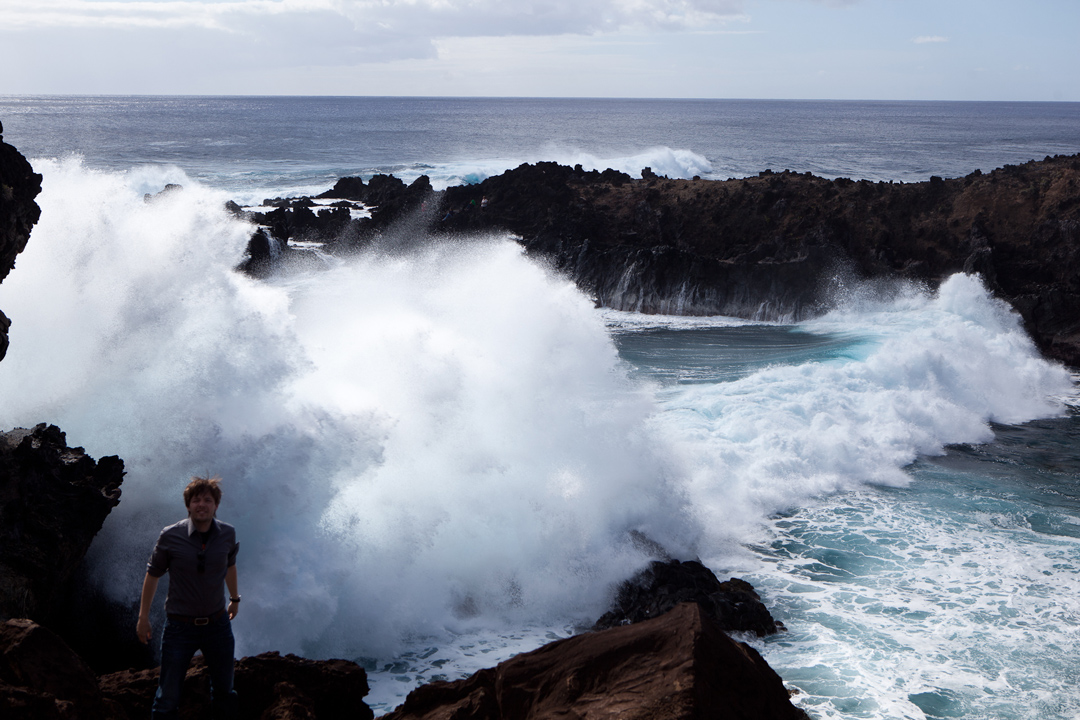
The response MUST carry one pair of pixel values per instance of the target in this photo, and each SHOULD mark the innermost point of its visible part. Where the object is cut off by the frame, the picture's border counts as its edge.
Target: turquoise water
(951, 592)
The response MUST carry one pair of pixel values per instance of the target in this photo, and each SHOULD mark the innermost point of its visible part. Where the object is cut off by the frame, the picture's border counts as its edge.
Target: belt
(196, 620)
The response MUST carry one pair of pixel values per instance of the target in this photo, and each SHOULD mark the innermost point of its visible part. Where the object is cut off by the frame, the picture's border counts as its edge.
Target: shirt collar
(191, 526)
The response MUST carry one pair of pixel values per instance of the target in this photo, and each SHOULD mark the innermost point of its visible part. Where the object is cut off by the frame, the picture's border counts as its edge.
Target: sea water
(435, 453)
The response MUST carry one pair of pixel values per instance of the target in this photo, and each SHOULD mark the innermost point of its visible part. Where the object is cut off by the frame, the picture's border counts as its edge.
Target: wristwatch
(235, 599)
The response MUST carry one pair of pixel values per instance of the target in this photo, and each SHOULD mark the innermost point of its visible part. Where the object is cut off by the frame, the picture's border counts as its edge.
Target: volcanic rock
(40, 677)
(270, 686)
(678, 666)
(733, 604)
(53, 500)
(19, 185)
(259, 261)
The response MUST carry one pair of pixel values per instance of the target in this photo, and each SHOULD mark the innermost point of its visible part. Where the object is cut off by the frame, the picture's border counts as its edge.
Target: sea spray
(665, 161)
(411, 442)
(919, 372)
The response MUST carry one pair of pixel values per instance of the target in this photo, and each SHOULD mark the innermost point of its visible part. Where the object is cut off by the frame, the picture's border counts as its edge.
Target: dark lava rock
(19, 185)
(270, 686)
(678, 666)
(53, 500)
(259, 261)
(733, 604)
(40, 677)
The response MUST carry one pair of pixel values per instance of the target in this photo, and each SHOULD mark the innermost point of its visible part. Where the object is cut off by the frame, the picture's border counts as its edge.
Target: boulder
(733, 604)
(678, 666)
(40, 677)
(53, 500)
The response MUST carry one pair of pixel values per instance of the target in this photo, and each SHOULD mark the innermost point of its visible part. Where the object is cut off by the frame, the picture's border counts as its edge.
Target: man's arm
(230, 583)
(149, 587)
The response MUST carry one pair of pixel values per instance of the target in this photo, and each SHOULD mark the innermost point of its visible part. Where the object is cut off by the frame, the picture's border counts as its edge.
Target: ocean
(434, 453)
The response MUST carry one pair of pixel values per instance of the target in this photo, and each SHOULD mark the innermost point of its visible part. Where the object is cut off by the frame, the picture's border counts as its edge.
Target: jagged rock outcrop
(42, 679)
(53, 500)
(19, 185)
(389, 197)
(678, 666)
(766, 247)
(733, 604)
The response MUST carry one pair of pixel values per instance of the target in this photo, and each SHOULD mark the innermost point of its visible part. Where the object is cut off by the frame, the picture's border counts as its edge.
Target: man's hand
(143, 630)
(234, 591)
(149, 587)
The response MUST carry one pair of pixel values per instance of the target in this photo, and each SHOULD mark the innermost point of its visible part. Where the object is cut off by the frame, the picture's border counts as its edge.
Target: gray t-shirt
(178, 551)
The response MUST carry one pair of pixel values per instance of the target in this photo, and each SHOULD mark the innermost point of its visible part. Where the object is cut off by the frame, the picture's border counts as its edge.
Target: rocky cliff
(19, 185)
(764, 247)
(53, 501)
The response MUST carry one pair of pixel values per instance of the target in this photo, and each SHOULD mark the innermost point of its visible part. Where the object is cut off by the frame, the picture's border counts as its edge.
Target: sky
(1023, 50)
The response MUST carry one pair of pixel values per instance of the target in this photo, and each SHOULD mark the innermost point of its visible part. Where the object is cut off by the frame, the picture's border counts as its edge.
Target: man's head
(202, 495)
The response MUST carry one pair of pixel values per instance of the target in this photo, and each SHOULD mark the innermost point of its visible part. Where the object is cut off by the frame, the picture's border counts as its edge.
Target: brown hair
(200, 485)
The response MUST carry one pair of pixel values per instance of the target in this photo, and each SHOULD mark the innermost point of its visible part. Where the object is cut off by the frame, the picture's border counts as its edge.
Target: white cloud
(923, 39)
(183, 45)
(434, 18)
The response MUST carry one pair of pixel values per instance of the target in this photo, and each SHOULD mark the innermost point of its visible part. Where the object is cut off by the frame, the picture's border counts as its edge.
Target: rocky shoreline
(771, 247)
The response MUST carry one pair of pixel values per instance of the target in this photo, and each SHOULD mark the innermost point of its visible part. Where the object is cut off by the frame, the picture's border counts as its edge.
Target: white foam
(625, 320)
(935, 370)
(941, 597)
(664, 161)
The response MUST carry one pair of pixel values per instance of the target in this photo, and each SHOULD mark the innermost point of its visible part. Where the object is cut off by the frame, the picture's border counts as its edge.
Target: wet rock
(733, 604)
(169, 190)
(261, 254)
(678, 666)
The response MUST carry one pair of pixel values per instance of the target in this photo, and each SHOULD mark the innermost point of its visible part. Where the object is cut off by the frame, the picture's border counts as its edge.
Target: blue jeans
(178, 645)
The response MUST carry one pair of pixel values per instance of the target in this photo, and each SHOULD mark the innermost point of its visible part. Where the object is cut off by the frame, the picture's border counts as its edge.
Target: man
(199, 553)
